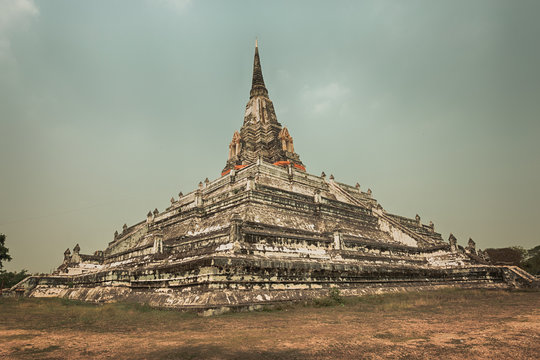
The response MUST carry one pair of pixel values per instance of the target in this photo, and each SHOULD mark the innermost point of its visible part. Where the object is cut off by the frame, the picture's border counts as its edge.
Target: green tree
(9, 278)
(4, 256)
(532, 261)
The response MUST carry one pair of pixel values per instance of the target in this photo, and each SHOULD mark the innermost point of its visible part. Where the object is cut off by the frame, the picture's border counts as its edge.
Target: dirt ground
(457, 324)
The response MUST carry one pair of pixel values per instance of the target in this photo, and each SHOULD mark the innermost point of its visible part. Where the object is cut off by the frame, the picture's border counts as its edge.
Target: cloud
(14, 14)
(326, 97)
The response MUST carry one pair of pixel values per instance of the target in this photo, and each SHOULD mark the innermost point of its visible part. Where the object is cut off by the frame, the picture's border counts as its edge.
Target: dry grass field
(442, 324)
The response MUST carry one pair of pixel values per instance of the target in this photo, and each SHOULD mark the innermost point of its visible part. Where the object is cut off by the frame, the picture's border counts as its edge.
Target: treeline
(9, 278)
(528, 260)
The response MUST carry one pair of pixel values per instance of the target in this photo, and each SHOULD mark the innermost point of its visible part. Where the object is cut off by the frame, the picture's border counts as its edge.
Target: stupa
(268, 231)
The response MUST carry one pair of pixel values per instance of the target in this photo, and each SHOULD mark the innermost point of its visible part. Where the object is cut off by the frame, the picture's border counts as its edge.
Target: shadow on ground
(218, 352)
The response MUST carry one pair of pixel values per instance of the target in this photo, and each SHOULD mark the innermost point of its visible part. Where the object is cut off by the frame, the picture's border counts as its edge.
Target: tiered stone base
(224, 283)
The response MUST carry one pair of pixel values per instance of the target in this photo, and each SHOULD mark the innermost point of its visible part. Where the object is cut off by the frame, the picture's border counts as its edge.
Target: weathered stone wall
(203, 283)
(264, 234)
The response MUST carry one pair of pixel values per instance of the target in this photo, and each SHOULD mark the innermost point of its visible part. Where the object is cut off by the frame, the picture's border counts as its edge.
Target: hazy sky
(109, 108)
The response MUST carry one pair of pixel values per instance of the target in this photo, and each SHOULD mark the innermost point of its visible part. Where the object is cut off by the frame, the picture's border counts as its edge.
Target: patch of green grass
(71, 302)
(334, 298)
(54, 313)
(426, 301)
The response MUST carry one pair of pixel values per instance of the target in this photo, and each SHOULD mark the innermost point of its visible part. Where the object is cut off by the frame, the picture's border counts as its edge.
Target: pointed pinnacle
(257, 85)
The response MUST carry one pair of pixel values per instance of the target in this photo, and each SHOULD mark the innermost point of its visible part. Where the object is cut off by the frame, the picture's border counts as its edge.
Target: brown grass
(450, 324)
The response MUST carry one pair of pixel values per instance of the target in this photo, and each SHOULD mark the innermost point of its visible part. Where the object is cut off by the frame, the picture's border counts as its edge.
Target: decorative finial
(453, 242)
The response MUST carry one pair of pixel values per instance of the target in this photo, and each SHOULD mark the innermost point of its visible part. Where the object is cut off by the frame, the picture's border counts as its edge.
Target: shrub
(334, 298)
(335, 295)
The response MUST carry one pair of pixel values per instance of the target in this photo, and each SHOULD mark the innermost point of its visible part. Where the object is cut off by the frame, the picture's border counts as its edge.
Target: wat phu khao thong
(267, 231)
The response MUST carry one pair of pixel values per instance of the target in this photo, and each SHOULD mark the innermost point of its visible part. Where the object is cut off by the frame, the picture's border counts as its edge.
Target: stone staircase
(404, 229)
(520, 277)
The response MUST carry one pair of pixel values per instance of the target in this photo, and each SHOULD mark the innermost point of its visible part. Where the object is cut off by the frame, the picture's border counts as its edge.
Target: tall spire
(261, 137)
(257, 85)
